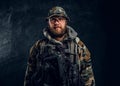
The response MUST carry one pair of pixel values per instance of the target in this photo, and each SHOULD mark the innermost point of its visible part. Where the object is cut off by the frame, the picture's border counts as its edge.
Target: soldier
(61, 58)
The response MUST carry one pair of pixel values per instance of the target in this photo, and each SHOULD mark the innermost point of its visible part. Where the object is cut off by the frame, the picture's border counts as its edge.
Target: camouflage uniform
(84, 58)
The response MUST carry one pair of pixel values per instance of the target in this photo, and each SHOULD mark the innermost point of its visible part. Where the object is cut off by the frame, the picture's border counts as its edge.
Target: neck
(59, 38)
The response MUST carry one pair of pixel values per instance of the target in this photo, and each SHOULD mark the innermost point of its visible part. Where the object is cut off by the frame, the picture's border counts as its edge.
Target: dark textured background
(21, 24)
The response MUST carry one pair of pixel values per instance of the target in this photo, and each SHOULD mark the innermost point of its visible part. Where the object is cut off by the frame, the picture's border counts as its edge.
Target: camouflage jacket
(84, 58)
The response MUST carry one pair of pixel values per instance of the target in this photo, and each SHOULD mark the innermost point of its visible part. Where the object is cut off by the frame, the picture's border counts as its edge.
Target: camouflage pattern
(57, 11)
(86, 72)
(86, 65)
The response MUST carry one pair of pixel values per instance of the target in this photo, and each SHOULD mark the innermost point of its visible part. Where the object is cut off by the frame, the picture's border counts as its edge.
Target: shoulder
(37, 44)
(83, 48)
(79, 42)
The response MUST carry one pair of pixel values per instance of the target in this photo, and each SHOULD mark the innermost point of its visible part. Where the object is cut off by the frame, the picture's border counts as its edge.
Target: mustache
(57, 27)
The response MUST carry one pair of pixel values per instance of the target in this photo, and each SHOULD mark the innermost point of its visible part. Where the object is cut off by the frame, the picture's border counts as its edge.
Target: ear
(46, 19)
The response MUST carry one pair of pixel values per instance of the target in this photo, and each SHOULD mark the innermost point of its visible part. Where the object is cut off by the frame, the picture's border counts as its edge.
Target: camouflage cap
(57, 11)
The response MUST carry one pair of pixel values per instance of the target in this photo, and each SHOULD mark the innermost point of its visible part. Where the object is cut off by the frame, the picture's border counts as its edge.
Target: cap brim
(58, 16)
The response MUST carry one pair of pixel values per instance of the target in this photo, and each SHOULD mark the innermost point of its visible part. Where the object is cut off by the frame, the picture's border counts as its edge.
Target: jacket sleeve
(31, 65)
(86, 73)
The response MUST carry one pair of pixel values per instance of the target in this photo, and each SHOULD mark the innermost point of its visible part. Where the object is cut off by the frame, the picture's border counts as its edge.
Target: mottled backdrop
(22, 22)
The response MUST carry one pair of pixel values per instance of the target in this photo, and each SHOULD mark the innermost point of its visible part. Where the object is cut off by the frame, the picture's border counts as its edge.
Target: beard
(54, 33)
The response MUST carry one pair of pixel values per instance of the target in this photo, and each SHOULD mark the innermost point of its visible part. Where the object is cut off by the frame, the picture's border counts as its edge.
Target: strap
(77, 50)
(41, 45)
(73, 46)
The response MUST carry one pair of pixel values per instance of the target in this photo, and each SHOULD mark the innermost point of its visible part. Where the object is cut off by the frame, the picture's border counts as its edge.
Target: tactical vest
(57, 65)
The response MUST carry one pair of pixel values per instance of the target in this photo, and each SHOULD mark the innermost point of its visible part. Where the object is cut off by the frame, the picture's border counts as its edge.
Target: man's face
(57, 25)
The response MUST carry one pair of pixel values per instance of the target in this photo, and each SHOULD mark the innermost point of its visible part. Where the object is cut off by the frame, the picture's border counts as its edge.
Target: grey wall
(21, 24)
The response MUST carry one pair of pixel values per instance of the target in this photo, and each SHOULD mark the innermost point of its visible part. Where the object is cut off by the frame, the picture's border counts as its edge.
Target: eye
(52, 19)
(61, 18)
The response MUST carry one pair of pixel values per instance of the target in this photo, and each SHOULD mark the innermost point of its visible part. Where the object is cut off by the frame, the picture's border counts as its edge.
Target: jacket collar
(71, 34)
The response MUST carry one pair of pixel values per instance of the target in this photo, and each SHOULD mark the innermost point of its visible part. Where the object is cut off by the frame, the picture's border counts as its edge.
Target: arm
(86, 66)
(31, 65)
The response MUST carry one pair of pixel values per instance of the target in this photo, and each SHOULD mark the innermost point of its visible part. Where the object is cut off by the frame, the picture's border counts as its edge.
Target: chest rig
(58, 64)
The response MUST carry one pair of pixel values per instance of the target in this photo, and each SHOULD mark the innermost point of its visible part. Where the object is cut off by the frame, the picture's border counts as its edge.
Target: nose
(56, 21)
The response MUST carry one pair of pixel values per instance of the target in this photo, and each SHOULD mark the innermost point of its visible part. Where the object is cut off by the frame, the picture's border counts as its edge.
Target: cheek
(64, 24)
(49, 23)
